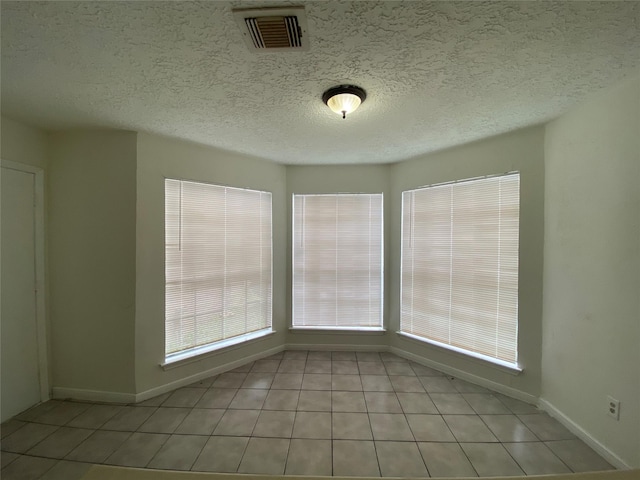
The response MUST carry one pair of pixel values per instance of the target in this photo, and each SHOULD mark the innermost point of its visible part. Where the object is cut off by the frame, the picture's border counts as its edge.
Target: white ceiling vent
(273, 28)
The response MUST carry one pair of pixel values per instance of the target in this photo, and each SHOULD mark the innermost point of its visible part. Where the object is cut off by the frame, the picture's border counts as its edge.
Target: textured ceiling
(437, 74)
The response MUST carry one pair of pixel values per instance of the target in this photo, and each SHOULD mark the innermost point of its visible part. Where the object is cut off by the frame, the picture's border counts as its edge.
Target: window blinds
(337, 261)
(218, 263)
(460, 265)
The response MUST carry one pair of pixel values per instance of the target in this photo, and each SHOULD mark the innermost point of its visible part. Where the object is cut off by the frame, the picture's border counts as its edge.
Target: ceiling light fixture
(344, 99)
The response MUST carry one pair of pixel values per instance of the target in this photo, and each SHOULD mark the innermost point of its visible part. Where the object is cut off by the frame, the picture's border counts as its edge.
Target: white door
(19, 336)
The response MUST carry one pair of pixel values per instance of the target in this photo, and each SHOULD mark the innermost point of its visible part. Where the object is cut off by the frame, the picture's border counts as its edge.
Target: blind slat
(460, 265)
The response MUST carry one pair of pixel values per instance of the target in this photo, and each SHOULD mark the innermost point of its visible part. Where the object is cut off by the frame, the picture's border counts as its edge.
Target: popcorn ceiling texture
(437, 74)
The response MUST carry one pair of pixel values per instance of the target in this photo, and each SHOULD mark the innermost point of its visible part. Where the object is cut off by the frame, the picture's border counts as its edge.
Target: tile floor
(302, 413)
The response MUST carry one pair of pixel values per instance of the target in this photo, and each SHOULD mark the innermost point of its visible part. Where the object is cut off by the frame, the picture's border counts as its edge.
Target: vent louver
(273, 28)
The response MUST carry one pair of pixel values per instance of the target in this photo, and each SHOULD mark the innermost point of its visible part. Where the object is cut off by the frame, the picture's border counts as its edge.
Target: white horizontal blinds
(337, 261)
(460, 265)
(218, 263)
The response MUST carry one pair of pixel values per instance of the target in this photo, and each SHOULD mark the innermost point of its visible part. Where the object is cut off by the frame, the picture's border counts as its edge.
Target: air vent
(268, 29)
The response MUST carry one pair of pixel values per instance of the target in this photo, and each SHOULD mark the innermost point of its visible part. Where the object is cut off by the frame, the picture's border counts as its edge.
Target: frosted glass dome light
(344, 99)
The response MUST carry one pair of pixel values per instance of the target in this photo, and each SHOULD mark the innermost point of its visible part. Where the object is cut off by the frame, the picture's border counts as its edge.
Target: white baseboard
(336, 347)
(183, 382)
(583, 435)
(92, 395)
(483, 382)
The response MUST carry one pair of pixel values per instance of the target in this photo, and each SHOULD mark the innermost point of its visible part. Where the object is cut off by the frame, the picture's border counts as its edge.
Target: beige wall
(92, 221)
(23, 144)
(337, 179)
(521, 151)
(591, 343)
(160, 157)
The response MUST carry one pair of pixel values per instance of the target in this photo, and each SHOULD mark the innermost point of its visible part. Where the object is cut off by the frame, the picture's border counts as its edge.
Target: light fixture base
(344, 99)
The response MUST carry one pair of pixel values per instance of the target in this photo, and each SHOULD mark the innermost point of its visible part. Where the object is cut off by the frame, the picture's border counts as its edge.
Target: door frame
(40, 270)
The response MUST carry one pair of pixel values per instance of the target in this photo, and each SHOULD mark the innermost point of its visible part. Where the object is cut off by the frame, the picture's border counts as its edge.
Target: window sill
(488, 361)
(339, 330)
(200, 353)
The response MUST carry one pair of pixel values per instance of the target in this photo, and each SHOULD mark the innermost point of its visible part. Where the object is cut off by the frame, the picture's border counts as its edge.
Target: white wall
(338, 179)
(591, 342)
(523, 151)
(24, 144)
(92, 222)
(160, 157)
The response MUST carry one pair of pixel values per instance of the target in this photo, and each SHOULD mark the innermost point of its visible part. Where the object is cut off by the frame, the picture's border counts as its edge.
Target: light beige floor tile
(249, 399)
(578, 456)
(229, 380)
(7, 457)
(340, 356)
(400, 459)
(129, 419)
(295, 355)
(469, 428)
(164, 420)
(287, 381)
(314, 401)
(238, 423)
(10, 427)
(451, 404)
(28, 468)
(312, 425)
(178, 453)
(486, 404)
(368, 357)
(274, 424)
(204, 383)
(318, 366)
(376, 383)
(95, 416)
(437, 384)
(348, 402)
(536, 458)
(316, 381)
(258, 380)
(34, 412)
(292, 366)
(98, 447)
(491, 459)
(137, 450)
(371, 368)
(318, 356)
(153, 402)
(516, 406)
(64, 470)
(390, 426)
(281, 400)
(416, 403)
(424, 371)
(184, 397)
(217, 398)
(388, 357)
(265, 366)
(351, 426)
(243, 368)
(545, 427)
(406, 383)
(429, 428)
(399, 368)
(309, 457)
(463, 386)
(446, 460)
(344, 367)
(355, 458)
(62, 413)
(200, 421)
(221, 455)
(508, 428)
(60, 442)
(346, 383)
(22, 440)
(265, 456)
(382, 402)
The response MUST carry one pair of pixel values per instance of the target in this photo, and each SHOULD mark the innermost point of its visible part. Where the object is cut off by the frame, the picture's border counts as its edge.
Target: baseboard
(483, 382)
(183, 382)
(336, 347)
(99, 396)
(583, 435)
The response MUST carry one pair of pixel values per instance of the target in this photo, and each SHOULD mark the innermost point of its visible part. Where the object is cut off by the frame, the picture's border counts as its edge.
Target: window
(460, 266)
(218, 266)
(337, 261)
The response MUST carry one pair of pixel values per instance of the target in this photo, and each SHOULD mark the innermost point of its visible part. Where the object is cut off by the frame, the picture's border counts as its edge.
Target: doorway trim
(40, 272)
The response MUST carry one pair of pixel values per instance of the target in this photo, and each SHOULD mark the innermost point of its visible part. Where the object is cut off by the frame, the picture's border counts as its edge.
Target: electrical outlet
(613, 408)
